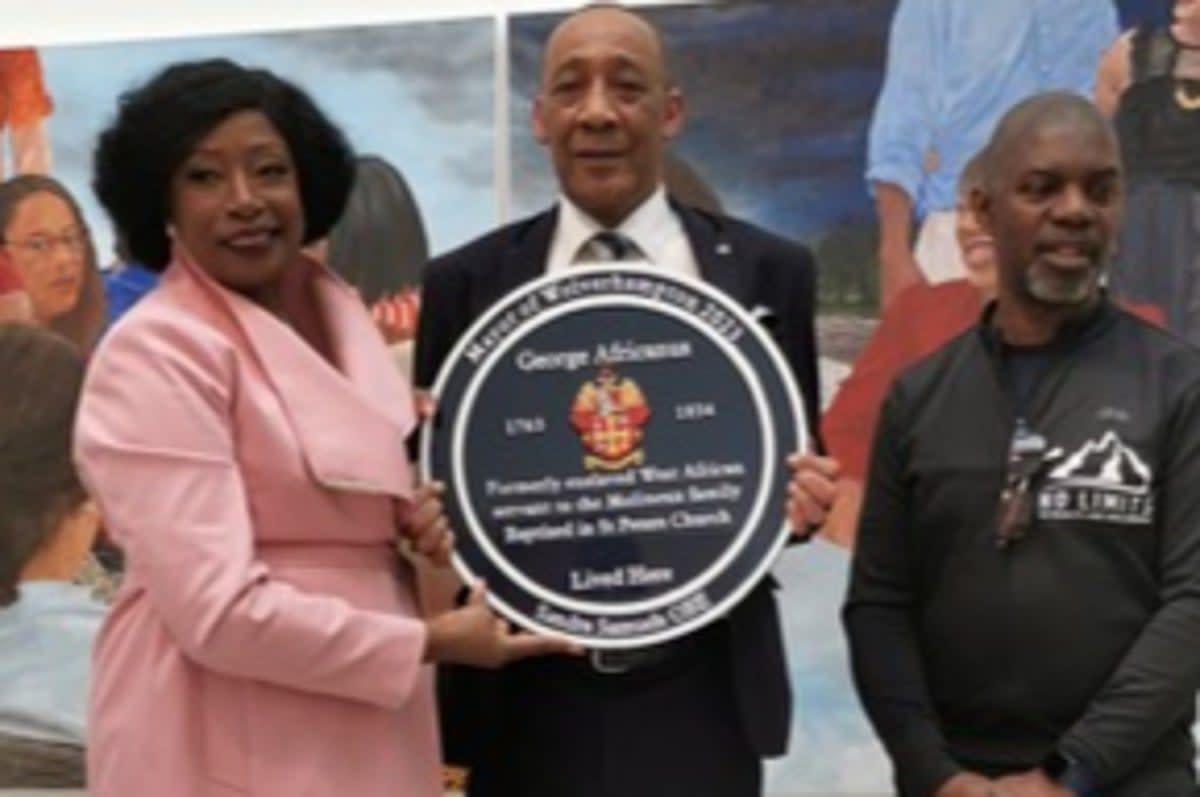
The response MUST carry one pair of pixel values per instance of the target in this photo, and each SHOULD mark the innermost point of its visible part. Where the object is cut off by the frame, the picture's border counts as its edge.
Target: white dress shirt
(653, 227)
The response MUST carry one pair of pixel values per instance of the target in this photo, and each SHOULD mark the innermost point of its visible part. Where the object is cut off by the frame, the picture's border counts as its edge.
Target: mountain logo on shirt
(1106, 462)
(1104, 481)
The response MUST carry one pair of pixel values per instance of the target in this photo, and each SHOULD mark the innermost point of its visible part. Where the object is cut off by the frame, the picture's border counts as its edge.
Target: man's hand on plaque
(475, 636)
(811, 492)
(425, 527)
(424, 404)
(1034, 783)
(967, 784)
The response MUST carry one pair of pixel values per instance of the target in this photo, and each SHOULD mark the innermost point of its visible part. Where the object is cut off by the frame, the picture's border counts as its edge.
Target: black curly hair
(159, 123)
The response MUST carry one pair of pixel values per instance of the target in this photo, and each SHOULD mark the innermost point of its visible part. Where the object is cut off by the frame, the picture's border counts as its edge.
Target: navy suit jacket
(758, 269)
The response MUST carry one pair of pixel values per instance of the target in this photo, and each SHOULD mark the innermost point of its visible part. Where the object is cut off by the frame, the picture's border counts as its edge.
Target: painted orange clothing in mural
(23, 95)
(396, 316)
(920, 320)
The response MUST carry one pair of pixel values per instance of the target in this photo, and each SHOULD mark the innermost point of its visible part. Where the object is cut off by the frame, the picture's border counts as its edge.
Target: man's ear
(673, 113)
(537, 123)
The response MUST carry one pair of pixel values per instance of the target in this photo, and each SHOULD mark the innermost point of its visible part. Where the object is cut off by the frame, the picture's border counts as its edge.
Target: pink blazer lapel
(350, 423)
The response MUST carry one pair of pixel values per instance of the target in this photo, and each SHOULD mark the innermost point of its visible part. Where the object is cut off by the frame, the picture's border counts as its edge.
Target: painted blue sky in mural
(420, 95)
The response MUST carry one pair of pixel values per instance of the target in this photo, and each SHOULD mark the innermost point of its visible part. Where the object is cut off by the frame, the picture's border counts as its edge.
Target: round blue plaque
(613, 441)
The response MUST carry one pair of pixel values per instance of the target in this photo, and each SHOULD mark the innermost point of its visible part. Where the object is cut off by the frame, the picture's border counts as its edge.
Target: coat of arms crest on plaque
(608, 413)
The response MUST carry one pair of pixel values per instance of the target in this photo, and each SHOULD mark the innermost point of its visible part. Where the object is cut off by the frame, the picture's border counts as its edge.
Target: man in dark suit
(691, 717)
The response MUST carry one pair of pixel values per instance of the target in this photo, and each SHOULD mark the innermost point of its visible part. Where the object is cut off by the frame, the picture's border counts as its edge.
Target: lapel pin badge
(760, 310)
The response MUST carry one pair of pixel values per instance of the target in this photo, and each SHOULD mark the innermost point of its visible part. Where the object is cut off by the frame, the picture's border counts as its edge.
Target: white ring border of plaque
(772, 448)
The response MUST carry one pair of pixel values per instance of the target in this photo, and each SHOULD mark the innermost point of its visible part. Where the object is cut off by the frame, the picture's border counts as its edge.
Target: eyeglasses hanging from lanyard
(1028, 460)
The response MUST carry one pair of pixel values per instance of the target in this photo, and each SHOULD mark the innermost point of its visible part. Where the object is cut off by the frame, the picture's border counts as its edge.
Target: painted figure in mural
(47, 524)
(953, 67)
(263, 592)
(1025, 594)
(1150, 82)
(922, 318)
(50, 247)
(379, 243)
(24, 105)
(379, 246)
(125, 282)
(694, 716)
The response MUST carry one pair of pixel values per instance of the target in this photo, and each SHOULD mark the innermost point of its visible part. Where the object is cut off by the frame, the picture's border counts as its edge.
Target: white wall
(74, 21)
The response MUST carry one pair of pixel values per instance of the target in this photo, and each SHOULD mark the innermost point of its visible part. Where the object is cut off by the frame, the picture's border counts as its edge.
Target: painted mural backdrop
(780, 95)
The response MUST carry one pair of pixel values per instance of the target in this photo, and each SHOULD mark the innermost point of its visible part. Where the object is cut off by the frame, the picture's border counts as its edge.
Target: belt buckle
(610, 662)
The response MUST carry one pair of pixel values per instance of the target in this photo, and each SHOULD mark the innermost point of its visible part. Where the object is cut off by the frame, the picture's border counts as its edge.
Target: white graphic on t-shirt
(1107, 463)
(1104, 481)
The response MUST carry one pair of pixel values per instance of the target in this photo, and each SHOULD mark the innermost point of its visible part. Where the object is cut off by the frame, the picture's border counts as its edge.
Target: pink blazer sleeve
(154, 445)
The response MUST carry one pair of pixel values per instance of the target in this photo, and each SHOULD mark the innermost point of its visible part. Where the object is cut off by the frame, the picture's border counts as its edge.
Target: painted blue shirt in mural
(47, 638)
(124, 286)
(955, 66)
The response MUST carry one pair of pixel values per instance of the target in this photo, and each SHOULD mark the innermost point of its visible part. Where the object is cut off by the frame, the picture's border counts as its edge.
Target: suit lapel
(351, 423)
(722, 261)
(524, 257)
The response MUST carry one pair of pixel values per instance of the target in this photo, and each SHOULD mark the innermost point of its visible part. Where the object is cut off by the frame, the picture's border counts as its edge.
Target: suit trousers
(671, 731)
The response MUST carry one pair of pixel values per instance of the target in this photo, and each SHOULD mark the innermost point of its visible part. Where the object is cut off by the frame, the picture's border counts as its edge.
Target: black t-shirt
(1084, 636)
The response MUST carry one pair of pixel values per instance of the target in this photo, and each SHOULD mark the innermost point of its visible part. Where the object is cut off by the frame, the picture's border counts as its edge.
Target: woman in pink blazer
(243, 431)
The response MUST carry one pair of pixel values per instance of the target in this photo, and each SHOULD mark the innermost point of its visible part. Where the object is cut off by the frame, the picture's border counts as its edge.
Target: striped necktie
(611, 247)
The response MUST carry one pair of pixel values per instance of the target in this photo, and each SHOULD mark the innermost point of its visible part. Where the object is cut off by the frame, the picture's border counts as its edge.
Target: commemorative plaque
(613, 443)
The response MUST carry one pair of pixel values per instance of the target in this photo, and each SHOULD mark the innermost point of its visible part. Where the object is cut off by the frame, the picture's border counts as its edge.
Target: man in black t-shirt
(1024, 606)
